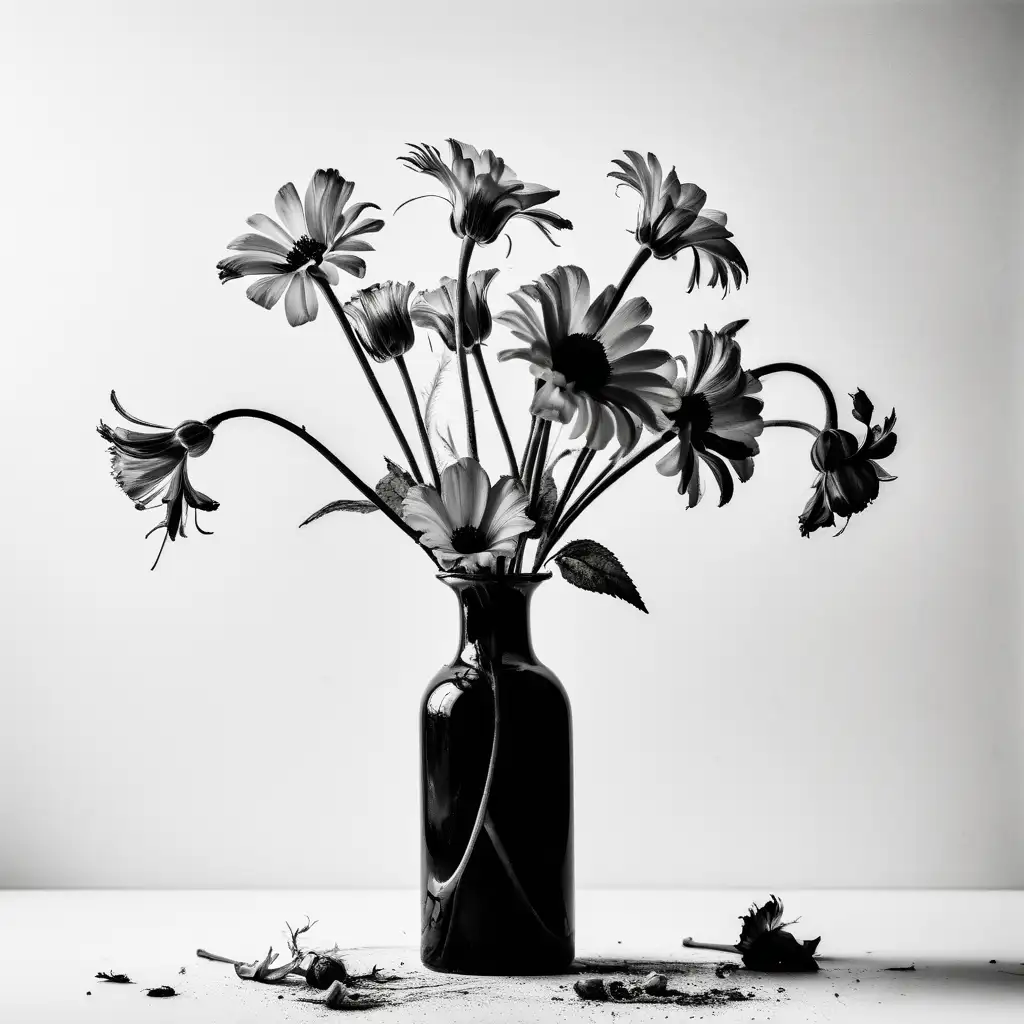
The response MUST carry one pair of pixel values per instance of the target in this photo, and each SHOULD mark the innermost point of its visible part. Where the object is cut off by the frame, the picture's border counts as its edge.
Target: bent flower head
(848, 473)
(716, 418)
(484, 191)
(435, 309)
(380, 319)
(469, 523)
(314, 238)
(589, 364)
(153, 467)
(672, 217)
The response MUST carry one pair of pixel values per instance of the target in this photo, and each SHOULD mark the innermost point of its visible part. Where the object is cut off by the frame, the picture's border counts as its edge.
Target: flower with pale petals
(468, 523)
(151, 467)
(435, 309)
(590, 364)
(313, 239)
(672, 217)
(848, 473)
(484, 192)
(716, 416)
(380, 319)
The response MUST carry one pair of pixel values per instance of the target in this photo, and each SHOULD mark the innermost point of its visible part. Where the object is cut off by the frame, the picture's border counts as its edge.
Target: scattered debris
(340, 997)
(117, 979)
(655, 984)
(597, 989)
(182, 971)
(724, 969)
(88, 993)
(992, 961)
(764, 943)
(910, 968)
(591, 988)
(161, 992)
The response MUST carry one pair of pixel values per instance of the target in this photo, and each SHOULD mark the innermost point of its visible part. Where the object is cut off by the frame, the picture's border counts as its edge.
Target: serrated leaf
(393, 488)
(362, 507)
(591, 566)
(547, 502)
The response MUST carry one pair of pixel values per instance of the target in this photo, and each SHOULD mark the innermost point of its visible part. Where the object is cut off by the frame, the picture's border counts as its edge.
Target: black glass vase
(496, 773)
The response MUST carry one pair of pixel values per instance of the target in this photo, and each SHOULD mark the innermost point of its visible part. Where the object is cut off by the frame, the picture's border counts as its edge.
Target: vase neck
(494, 616)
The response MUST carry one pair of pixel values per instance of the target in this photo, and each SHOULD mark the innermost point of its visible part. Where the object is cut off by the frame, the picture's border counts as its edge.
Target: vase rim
(511, 577)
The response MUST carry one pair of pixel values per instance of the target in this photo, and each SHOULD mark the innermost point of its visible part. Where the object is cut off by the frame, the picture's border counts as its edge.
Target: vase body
(497, 813)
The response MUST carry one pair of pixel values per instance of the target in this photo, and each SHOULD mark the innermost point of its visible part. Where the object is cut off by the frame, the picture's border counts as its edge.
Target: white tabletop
(53, 943)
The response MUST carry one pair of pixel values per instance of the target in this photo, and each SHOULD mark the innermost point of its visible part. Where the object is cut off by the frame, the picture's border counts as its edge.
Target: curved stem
(799, 424)
(576, 474)
(421, 426)
(592, 493)
(831, 412)
(368, 492)
(643, 254)
(506, 441)
(460, 344)
(371, 377)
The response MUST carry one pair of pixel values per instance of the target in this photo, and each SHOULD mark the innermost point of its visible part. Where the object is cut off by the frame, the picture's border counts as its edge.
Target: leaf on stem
(393, 488)
(591, 566)
(547, 503)
(346, 505)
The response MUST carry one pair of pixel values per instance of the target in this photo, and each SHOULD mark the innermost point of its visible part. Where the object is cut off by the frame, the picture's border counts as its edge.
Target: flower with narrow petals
(380, 319)
(589, 363)
(316, 238)
(435, 309)
(484, 191)
(152, 467)
(716, 417)
(469, 523)
(672, 217)
(848, 472)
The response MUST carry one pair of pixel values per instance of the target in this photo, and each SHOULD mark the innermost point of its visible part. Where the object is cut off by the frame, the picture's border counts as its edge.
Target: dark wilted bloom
(766, 945)
(848, 473)
(588, 362)
(717, 415)
(672, 217)
(484, 191)
(317, 237)
(435, 309)
(151, 467)
(379, 316)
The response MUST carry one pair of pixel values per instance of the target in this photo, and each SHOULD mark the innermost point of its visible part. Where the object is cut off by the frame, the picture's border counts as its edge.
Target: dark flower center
(582, 360)
(468, 540)
(305, 250)
(696, 412)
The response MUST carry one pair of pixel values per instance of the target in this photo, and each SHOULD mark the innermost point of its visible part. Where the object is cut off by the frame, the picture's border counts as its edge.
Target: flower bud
(194, 437)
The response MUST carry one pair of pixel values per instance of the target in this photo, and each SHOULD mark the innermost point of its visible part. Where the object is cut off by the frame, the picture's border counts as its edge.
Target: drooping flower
(380, 319)
(848, 472)
(716, 417)
(766, 945)
(316, 238)
(435, 309)
(589, 363)
(672, 217)
(469, 523)
(484, 191)
(151, 467)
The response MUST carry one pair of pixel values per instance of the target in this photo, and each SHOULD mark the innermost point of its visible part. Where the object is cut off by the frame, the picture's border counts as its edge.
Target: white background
(792, 713)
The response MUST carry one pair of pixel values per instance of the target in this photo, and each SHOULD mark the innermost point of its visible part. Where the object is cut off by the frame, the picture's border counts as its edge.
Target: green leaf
(591, 566)
(393, 488)
(340, 506)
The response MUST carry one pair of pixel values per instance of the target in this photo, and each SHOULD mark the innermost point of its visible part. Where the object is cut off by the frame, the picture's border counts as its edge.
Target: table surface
(53, 943)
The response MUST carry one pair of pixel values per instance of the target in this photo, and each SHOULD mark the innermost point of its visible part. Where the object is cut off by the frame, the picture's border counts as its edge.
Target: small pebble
(991, 961)
(280, 997)
(88, 993)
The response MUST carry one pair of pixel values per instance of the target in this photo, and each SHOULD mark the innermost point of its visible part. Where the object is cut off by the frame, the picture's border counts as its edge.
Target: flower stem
(529, 447)
(576, 474)
(403, 370)
(368, 492)
(643, 254)
(831, 412)
(460, 343)
(506, 441)
(371, 377)
(799, 424)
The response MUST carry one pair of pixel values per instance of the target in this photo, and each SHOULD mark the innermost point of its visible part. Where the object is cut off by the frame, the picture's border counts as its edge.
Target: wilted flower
(316, 238)
(716, 415)
(672, 218)
(848, 475)
(265, 971)
(484, 191)
(469, 523)
(379, 316)
(589, 365)
(435, 309)
(151, 466)
(766, 945)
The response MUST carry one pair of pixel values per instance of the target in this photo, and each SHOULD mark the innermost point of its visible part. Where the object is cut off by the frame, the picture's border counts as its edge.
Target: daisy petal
(300, 303)
(289, 209)
(267, 291)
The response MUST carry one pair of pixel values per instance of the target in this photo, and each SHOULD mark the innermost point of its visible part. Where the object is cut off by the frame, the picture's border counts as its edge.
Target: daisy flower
(380, 318)
(469, 522)
(435, 309)
(716, 416)
(672, 217)
(589, 364)
(317, 238)
(151, 467)
(484, 191)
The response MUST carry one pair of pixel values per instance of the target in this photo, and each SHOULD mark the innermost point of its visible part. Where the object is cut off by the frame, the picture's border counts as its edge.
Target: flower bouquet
(497, 882)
